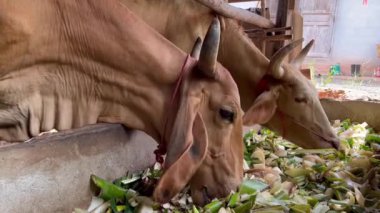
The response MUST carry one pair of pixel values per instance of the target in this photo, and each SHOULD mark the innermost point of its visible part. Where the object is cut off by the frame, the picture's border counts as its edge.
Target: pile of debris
(332, 94)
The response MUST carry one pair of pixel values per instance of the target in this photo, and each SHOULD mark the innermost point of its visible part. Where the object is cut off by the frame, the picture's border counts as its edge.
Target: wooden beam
(272, 38)
(279, 29)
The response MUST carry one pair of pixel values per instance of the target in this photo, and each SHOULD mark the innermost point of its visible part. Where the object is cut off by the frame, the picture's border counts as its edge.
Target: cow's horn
(297, 62)
(275, 62)
(210, 48)
(229, 11)
(196, 51)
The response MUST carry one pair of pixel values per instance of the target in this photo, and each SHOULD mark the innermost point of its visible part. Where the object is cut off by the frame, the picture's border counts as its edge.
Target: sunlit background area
(346, 53)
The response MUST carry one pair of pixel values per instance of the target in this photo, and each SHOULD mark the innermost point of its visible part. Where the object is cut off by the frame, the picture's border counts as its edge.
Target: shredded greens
(279, 177)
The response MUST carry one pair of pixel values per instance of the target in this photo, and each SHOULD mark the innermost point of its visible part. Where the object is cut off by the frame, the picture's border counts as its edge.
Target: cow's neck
(244, 60)
(180, 21)
(183, 21)
(129, 69)
(144, 64)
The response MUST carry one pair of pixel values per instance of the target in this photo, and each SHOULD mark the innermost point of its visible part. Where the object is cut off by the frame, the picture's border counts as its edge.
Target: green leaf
(315, 151)
(282, 195)
(350, 142)
(113, 205)
(130, 179)
(301, 208)
(195, 210)
(128, 208)
(300, 180)
(372, 138)
(272, 209)
(334, 179)
(245, 207)
(319, 167)
(320, 197)
(339, 195)
(312, 201)
(374, 161)
(364, 147)
(346, 124)
(340, 188)
(234, 199)
(214, 206)
(120, 208)
(295, 172)
(108, 190)
(342, 156)
(339, 202)
(252, 186)
(321, 208)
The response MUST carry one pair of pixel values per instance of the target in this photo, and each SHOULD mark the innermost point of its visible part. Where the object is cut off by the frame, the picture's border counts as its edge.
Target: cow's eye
(227, 115)
(300, 100)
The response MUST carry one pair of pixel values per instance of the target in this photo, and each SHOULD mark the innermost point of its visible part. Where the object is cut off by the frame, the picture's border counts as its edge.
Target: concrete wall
(51, 173)
(356, 33)
(356, 110)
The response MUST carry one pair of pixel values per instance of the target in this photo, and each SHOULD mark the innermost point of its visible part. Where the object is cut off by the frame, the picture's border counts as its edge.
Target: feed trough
(51, 173)
(355, 110)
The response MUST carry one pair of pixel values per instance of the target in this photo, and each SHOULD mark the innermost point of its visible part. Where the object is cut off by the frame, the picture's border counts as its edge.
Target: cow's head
(293, 100)
(205, 147)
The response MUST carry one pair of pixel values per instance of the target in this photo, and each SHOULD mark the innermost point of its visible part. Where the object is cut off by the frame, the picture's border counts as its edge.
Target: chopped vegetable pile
(279, 177)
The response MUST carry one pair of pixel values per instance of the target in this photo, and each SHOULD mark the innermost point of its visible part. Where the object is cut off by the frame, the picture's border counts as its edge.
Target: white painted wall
(245, 5)
(356, 31)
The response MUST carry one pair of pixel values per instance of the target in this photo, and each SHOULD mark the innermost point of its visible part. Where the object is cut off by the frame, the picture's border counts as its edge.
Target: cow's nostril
(206, 195)
(332, 135)
(336, 144)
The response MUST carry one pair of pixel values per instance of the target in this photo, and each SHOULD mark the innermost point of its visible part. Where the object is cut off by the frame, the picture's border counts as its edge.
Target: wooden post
(263, 8)
(292, 4)
(264, 14)
(297, 32)
(282, 14)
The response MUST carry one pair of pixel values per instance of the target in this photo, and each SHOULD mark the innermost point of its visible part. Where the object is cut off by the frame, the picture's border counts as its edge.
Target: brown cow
(290, 97)
(66, 63)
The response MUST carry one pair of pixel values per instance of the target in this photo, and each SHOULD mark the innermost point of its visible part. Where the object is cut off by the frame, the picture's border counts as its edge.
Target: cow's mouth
(206, 195)
(333, 142)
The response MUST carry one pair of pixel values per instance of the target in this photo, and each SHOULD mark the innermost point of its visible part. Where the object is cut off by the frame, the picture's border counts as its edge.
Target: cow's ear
(186, 151)
(262, 109)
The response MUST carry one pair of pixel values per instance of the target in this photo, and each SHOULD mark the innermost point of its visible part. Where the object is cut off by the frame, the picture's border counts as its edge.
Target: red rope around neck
(161, 148)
